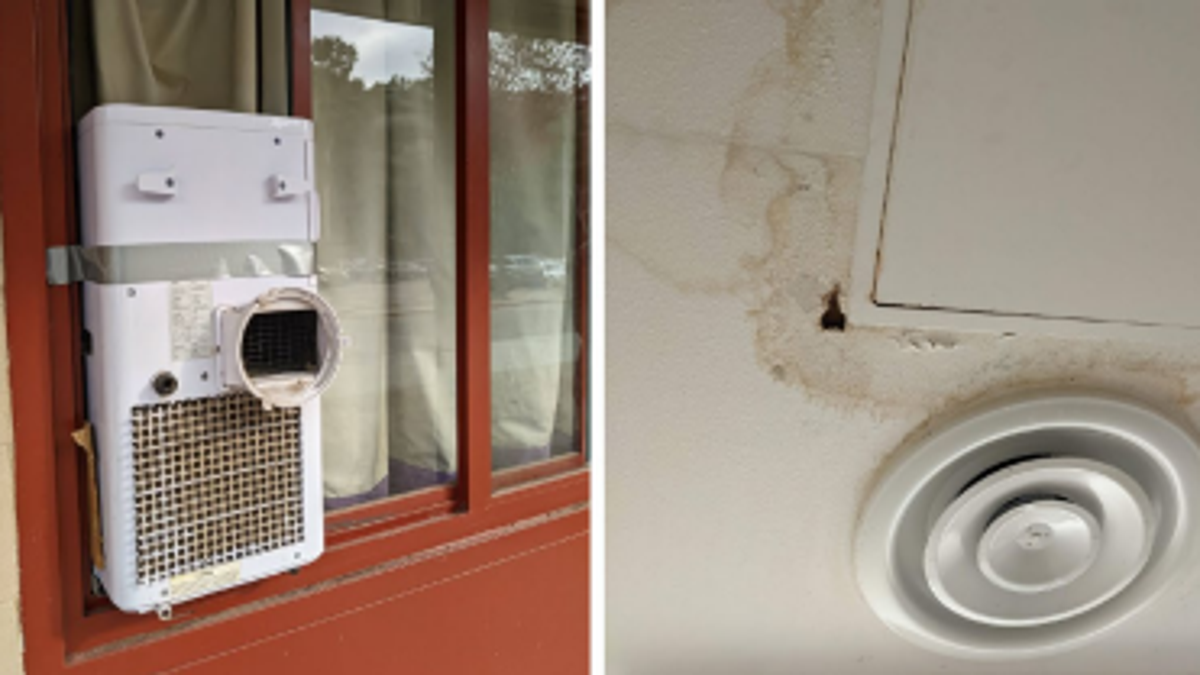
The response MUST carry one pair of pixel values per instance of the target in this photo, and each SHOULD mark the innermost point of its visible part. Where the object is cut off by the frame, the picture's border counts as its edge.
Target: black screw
(170, 182)
(165, 384)
(158, 133)
(282, 185)
(278, 141)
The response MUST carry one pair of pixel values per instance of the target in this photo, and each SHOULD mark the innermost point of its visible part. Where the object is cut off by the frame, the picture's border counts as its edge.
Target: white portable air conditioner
(207, 347)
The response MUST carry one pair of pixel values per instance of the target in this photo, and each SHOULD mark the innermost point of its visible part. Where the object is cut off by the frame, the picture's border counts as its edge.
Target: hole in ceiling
(833, 318)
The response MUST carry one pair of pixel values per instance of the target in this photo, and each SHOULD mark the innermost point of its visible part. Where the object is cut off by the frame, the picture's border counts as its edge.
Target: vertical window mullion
(300, 22)
(473, 255)
(583, 220)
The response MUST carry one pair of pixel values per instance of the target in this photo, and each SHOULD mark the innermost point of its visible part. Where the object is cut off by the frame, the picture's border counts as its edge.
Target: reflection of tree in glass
(518, 64)
(335, 56)
(376, 157)
(515, 63)
(538, 88)
(537, 84)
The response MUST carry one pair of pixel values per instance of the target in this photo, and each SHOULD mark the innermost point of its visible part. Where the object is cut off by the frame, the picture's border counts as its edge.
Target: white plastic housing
(170, 176)
(224, 169)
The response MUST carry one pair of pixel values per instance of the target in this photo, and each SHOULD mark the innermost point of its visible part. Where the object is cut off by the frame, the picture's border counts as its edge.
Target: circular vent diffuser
(284, 347)
(1030, 526)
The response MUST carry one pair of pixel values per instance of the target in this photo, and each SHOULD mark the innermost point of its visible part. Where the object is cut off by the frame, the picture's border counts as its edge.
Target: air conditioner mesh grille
(217, 479)
(281, 342)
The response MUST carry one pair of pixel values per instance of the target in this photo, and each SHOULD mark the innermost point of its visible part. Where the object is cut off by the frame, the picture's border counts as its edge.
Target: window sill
(238, 616)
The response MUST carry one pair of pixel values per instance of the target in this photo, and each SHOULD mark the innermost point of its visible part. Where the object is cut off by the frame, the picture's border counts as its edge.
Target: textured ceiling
(741, 437)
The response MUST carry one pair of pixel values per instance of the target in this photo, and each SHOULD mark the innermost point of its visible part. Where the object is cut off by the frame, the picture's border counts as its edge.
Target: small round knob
(165, 384)
(1035, 537)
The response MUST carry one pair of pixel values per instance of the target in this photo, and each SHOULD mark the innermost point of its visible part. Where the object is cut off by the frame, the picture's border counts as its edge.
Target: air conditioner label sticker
(191, 320)
(203, 581)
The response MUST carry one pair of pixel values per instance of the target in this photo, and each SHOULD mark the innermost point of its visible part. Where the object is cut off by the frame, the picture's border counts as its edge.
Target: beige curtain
(385, 169)
(213, 54)
(536, 74)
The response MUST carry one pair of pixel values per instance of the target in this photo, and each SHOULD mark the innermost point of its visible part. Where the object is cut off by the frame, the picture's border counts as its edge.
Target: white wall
(740, 436)
(10, 619)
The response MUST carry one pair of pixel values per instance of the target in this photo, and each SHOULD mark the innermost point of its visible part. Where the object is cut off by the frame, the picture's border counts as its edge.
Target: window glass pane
(383, 109)
(538, 75)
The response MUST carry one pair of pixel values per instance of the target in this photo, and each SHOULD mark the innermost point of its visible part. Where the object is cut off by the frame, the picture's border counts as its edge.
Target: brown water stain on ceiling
(790, 217)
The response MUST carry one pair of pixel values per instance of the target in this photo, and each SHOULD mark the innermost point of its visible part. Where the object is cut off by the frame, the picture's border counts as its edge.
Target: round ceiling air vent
(1030, 526)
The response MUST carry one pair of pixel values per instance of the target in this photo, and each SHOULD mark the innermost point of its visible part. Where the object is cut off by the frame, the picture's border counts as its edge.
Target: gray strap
(178, 262)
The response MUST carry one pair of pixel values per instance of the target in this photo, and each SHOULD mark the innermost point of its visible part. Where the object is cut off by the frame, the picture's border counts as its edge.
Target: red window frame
(64, 631)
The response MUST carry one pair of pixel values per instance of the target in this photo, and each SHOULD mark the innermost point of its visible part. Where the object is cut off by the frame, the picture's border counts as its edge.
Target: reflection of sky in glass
(385, 49)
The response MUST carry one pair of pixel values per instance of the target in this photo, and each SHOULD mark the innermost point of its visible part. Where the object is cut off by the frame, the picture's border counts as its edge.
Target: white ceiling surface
(741, 437)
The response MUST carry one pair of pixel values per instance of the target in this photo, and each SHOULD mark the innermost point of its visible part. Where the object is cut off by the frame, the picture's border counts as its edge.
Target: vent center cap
(1038, 546)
